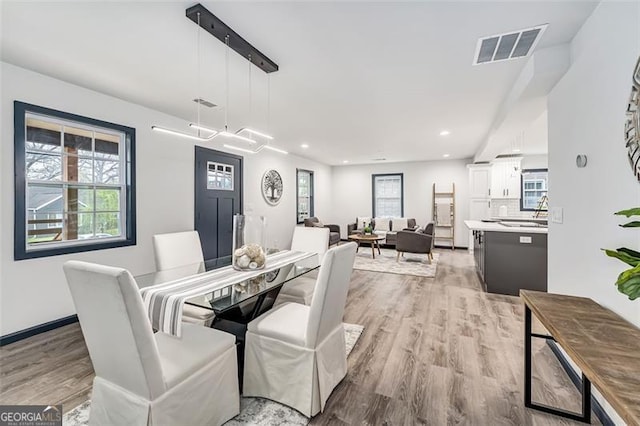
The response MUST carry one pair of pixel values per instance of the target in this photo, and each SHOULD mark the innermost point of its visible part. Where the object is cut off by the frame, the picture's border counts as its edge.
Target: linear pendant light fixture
(197, 136)
(210, 23)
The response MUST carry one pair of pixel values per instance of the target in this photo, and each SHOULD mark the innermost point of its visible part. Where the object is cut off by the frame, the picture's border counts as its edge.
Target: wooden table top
(605, 346)
(364, 237)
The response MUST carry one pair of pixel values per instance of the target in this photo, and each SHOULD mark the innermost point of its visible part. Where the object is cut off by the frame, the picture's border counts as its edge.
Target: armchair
(419, 241)
(334, 230)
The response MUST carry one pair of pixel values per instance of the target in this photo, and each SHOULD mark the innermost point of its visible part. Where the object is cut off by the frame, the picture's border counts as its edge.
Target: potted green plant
(629, 280)
(368, 229)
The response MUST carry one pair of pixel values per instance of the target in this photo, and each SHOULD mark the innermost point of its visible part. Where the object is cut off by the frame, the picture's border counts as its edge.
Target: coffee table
(373, 239)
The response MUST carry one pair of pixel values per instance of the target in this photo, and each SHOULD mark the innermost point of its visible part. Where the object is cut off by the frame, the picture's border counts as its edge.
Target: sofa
(334, 230)
(383, 226)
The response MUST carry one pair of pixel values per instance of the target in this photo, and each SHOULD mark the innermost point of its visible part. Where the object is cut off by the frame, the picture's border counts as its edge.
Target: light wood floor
(434, 351)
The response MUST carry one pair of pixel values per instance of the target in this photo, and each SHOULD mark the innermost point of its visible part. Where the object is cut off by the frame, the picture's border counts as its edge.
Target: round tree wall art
(272, 187)
(632, 122)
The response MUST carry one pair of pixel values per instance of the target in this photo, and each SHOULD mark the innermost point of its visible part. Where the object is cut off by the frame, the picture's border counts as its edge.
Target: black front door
(218, 196)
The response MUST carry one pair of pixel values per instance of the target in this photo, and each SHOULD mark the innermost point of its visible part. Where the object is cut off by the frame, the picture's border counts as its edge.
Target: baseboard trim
(449, 247)
(37, 329)
(577, 381)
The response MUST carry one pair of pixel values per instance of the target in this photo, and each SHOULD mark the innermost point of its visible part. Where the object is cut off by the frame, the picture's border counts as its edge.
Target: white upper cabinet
(505, 178)
(479, 180)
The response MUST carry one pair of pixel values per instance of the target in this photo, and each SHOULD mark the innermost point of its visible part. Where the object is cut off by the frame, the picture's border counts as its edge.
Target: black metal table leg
(585, 416)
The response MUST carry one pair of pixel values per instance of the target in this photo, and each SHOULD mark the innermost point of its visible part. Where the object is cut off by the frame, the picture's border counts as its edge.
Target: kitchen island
(510, 256)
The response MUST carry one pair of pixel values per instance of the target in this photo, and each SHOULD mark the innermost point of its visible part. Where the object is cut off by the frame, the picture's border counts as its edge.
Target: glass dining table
(236, 304)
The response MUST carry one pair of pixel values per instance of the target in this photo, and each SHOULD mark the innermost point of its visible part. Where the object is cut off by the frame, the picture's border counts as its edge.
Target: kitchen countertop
(497, 227)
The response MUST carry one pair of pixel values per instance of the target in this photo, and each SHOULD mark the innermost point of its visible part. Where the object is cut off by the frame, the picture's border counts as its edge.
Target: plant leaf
(630, 252)
(627, 258)
(629, 212)
(630, 285)
(634, 224)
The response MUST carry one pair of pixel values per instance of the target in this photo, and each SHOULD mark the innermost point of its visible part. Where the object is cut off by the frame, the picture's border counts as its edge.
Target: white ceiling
(357, 80)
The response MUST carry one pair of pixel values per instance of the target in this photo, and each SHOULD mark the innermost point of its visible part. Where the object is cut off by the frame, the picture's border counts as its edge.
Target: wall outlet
(556, 214)
(525, 240)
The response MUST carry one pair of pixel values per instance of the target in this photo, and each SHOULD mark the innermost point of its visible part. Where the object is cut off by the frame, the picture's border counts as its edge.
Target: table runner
(164, 302)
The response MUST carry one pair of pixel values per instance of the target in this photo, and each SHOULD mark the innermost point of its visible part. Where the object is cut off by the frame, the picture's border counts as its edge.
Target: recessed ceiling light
(304, 145)
(445, 133)
(445, 155)
(345, 161)
(516, 149)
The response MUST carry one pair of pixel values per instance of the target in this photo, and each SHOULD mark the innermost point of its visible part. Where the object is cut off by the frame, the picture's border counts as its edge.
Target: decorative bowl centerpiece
(248, 242)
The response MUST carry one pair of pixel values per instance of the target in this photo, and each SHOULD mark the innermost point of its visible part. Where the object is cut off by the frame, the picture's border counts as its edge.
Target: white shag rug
(253, 411)
(409, 264)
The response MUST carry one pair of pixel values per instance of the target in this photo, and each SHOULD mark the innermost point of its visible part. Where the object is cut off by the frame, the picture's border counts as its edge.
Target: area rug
(409, 264)
(253, 411)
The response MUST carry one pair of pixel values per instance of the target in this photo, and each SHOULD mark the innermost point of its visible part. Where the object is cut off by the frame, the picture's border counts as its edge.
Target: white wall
(586, 116)
(351, 191)
(34, 291)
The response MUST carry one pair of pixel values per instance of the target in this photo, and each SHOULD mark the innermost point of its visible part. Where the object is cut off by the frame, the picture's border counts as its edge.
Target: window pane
(305, 193)
(79, 199)
(44, 227)
(107, 146)
(44, 167)
(108, 200)
(107, 171)
(83, 222)
(85, 170)
(108, 225)
(43, 136)
(388, 194)
(77, 141)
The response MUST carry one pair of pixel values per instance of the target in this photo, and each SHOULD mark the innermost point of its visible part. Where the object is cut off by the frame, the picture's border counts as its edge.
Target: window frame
(373, 192)
(311, 194)
(21, 251)
(522, 173)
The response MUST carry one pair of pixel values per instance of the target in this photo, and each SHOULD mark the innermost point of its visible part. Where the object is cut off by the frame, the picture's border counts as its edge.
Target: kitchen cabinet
(478, 254)
(505, 178)
(479, 197)
(479, 180)
(509, 258)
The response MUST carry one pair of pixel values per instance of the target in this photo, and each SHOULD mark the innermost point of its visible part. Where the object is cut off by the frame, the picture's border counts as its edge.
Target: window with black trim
(534, 185)
(74, 183)
(388, 195)
(304, 200)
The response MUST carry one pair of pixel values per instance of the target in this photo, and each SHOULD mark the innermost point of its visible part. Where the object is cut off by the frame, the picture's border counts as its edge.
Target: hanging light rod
(214, 26)
(255, 132)
(237, 148)
(184, 135)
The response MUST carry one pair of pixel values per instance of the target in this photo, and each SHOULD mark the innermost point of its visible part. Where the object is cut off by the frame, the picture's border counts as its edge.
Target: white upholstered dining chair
(179, 249)
(295, 354)
(313, 240)
(147, 379)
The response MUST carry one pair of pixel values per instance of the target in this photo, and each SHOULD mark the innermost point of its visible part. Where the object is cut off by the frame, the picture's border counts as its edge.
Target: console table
(603, 345)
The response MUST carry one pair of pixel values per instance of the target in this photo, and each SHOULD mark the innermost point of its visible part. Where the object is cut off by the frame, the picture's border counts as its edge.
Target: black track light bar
(220, 30)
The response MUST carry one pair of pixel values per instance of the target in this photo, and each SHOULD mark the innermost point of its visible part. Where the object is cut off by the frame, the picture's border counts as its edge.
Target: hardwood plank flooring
(434, 351)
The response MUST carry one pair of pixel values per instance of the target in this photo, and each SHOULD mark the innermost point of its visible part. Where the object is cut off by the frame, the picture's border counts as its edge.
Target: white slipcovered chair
(147, 379)
(295, 354)
(313, 240)
(179, 249)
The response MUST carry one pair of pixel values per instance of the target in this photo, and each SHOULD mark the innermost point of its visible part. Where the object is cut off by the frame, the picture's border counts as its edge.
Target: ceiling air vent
(511, 45)
(205, 102)
(379, 159)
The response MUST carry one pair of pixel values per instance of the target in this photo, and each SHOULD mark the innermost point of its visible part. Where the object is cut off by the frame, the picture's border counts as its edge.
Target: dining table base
(235, 321)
